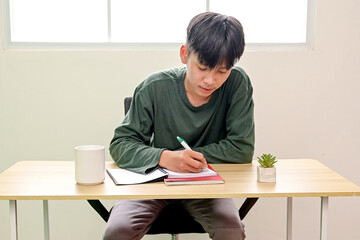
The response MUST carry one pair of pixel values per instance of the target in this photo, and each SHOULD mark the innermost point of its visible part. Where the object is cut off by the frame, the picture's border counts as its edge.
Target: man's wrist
(163, 158)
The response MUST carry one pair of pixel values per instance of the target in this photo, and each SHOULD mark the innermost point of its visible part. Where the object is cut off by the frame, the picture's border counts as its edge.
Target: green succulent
(267, 160)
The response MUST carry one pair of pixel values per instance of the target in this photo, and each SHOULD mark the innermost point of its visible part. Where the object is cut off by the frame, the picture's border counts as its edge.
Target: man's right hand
(182, 161)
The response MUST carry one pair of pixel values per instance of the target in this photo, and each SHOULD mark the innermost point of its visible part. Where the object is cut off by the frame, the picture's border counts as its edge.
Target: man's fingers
(196, 161)
(199, 156)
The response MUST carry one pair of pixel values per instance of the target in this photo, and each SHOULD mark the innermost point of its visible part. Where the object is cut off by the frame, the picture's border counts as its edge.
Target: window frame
(7, 44)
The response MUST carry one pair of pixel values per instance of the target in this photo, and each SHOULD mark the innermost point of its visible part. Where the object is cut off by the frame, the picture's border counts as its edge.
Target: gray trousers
(131, 219)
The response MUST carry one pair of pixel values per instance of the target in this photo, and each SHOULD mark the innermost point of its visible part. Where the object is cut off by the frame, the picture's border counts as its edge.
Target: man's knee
(120, 231)
(227, 225)
(226, 219)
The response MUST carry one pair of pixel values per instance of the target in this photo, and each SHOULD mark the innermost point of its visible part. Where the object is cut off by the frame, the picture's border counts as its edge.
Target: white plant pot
(266, 174)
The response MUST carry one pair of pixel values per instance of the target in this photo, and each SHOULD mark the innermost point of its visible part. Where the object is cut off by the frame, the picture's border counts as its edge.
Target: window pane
(59, 20)
(152, 21)
(265, 21)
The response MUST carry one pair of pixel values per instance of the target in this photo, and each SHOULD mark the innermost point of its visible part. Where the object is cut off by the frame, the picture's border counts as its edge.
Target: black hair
(215, 39)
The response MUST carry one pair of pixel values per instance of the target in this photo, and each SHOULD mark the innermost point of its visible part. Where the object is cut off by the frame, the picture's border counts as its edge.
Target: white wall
(307, 106)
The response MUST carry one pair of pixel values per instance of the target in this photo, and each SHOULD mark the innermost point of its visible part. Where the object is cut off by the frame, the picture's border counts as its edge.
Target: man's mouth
(208, 90)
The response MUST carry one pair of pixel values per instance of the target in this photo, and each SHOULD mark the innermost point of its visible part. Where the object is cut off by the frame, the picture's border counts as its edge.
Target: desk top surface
(50, 180)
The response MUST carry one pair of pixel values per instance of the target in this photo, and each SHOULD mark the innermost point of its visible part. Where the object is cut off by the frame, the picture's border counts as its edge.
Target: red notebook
(194, 181)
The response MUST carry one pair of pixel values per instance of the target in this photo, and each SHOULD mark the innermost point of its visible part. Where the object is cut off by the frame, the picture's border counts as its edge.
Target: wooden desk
(55, 180)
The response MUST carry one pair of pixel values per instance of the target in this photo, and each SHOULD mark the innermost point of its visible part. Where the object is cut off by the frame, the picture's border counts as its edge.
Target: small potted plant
(266, 171)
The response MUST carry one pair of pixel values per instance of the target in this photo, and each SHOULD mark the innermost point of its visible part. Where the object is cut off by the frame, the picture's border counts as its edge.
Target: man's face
(200, 80)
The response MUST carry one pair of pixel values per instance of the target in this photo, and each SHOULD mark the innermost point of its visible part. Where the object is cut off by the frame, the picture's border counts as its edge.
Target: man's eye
(202, 68)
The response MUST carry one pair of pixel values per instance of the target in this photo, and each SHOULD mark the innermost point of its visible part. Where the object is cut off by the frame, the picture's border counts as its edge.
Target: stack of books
(207, 176)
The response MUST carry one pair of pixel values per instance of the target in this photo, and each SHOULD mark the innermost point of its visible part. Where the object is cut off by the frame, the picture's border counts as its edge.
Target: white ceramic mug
(89, 164)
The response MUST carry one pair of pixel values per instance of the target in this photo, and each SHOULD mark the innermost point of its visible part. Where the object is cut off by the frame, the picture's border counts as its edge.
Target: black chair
(166, 223)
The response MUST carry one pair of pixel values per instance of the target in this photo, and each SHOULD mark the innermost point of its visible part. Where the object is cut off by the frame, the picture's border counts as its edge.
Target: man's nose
(210, 78)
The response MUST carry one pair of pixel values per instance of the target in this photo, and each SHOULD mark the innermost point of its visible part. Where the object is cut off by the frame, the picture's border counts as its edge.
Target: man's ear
(184, 54)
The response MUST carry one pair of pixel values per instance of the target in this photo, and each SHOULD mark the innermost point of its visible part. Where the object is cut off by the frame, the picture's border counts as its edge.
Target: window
(154, 21)
(268, 21)
(150, 21)
(58, 21)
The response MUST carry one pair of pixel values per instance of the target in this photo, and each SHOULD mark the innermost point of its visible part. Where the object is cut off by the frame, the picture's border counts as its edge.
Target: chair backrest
(173, 219)
(127, 104)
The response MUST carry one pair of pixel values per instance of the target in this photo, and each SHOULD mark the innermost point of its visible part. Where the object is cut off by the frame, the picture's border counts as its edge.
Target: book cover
(194, 181)
(124, 177)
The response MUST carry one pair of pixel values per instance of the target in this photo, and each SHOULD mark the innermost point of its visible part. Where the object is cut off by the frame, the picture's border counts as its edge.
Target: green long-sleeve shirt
(222, 129)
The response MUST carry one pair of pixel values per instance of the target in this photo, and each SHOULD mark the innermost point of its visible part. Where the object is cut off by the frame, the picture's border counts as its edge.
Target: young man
(209, 104)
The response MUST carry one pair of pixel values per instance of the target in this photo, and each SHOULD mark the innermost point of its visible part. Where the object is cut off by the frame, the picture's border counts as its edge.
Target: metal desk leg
(46, 219)
(289, 218)
(13, 220)
(324, 217)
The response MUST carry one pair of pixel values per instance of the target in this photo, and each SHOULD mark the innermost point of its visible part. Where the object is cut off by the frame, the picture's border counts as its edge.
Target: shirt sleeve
(130, 147)
(238, 146)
